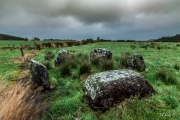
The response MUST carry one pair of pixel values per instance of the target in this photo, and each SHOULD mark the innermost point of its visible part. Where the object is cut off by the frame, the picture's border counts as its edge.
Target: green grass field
(14, 43)
(162, 71)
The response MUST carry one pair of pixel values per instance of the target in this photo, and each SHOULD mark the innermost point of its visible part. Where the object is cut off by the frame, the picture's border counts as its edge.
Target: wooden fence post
(22, 52)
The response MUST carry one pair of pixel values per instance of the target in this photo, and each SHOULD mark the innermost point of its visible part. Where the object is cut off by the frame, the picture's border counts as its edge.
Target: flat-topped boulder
(62, 54)
(100, 54)
(136, 62)
(105, 89)
(39, 75)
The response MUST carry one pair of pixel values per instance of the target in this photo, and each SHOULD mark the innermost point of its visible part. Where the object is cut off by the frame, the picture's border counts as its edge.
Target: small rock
(101, 54)
(136, 62)
(39, 75)
(62, 54)
(105, 89)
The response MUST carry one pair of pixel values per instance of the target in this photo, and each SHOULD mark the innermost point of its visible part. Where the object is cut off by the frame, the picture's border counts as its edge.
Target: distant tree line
(175, 38)
(51, 39)
(10, 37)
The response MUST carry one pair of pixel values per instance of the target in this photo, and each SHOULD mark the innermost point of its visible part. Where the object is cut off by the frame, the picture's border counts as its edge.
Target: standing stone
(105, 89)
(101, 54)
(62, 54)
(39, 75)
(136, 62)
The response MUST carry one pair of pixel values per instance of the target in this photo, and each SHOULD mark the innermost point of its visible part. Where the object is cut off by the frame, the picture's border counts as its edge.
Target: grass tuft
(176, 66)
(171, 80)
(84, 68)
(107, 65)
(48, 55)
(123, 60)
(166, 77)
(172, 102)
(65, 70)
(162, 74)
(95, 62)
(47, 64)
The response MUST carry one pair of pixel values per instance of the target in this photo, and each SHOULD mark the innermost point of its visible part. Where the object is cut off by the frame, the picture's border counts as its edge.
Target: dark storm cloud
(125, 19)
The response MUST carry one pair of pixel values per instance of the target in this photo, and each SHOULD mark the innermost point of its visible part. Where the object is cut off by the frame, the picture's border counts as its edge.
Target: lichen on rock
(136, 62)
(60, 57)
(100, 54)
(105, 89)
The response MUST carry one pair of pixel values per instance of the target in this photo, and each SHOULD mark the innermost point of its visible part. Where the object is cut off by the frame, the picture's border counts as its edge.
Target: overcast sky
(81, 19)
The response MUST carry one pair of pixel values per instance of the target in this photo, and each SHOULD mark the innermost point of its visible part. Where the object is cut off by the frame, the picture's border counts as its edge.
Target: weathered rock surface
(106, 88)
(136, 62)
(100, 54)
(39, 75)
(62, 54)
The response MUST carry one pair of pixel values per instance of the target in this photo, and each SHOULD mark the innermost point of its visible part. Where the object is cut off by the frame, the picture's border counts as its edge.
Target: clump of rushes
(107, 65)
(166, 77)
(176, 66)
(47, 64)
(171, 101)
(85, 58)
(171, 80)
(48, 55)
(123, 60)
(73, 64)
(80, 55)
(65, 69)
(84, 68)
(72, 61)
(95, 62)
(116, 59)
(162, 74)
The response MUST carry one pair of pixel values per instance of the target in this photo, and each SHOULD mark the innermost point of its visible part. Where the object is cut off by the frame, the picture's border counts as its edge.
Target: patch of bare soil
(1, 87)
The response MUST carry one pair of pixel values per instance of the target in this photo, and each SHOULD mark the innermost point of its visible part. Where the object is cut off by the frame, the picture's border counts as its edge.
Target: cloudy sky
(81, 19)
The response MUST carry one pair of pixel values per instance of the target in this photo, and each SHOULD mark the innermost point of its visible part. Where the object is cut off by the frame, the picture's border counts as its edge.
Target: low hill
(175, 38)
(10, 37)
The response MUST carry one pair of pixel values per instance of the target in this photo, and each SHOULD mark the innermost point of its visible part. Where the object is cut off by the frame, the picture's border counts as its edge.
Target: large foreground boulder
(62, 54)
(39, 75)
(136, 62)
(100, 54)
(106, 88)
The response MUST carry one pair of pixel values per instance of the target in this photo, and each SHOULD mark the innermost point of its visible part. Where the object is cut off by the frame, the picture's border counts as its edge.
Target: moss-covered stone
(39, 75)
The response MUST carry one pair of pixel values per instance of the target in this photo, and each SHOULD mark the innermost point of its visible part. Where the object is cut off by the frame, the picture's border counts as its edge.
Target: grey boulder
(104, 89)
(100, 54)
(136, 62)
(39, 75)
(62, 54)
